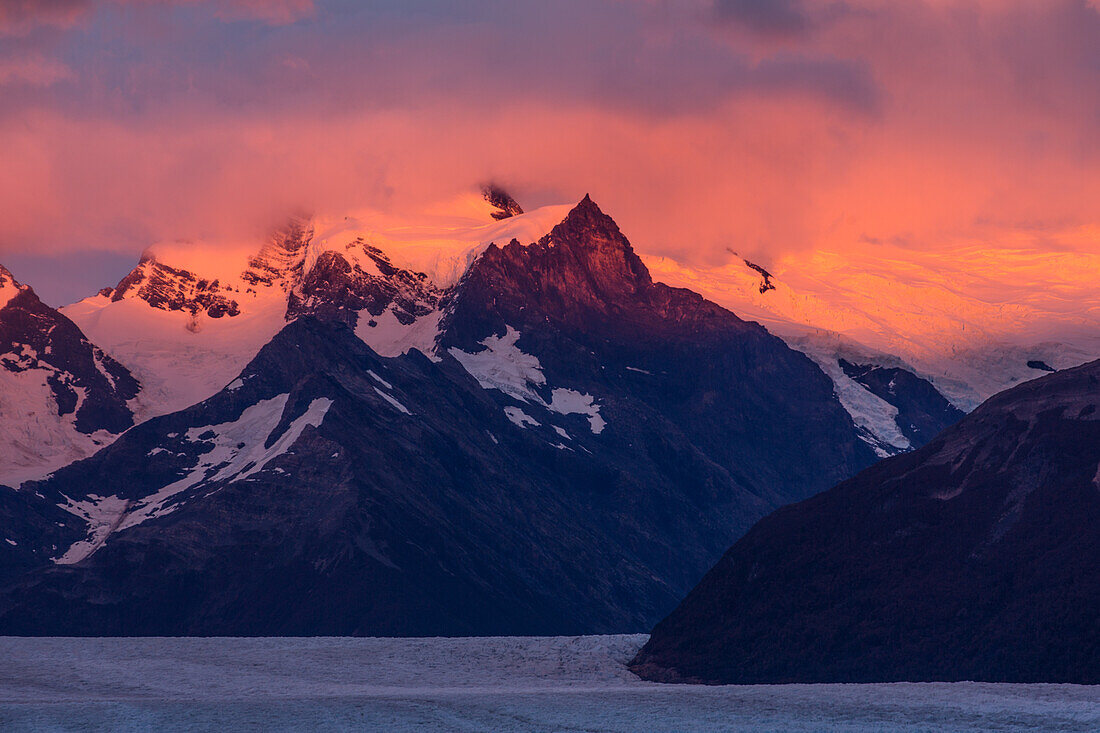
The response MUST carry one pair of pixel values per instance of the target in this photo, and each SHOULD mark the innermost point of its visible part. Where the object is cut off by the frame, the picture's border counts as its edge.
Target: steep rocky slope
(973, 558)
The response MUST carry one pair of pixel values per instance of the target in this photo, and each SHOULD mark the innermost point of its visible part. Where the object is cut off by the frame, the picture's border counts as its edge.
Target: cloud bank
(765, 127)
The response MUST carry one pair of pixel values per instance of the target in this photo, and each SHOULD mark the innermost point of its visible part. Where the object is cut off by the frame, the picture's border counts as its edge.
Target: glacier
(466, 684)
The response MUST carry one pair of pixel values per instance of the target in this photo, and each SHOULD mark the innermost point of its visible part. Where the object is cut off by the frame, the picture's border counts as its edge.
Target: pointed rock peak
(173, 287)
(7, 279)
(504, 203)
(588, 241)
(587, 227)
(586, 215)
(9, 286)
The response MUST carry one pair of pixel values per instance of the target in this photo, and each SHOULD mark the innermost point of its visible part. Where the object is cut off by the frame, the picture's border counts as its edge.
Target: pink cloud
(275, 12)
(19, 17)
(33, 70)
(913, 123)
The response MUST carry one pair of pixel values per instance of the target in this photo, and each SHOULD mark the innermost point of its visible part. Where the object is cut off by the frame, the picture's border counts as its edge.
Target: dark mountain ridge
(973, 558)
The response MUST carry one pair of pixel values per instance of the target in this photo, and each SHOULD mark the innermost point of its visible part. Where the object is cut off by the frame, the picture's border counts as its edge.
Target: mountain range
(190, 316)
(499, 423)
(522, 452)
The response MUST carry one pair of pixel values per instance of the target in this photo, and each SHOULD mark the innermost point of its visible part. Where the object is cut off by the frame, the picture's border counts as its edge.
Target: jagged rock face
(339, 286)
(85, 382)
(280, 261)
(973, 558)
(33, 528)
(336, 285)
(922, 411)
(506, 206)
(169, 288)
(586, 308)
(766, 277)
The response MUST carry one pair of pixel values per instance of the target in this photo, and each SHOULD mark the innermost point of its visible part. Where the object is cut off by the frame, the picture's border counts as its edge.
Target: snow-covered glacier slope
(970, 319)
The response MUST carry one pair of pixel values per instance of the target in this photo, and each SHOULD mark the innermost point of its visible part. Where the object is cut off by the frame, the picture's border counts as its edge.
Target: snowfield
(500, 684)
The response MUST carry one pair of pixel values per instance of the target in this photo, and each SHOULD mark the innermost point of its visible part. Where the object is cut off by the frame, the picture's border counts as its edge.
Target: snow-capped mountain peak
(61, 397)
(171, 288)
(9, 286)
(191, 314)
(280, 262)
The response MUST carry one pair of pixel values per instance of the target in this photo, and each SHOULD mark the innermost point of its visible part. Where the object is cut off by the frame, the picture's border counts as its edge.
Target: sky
(773, 128)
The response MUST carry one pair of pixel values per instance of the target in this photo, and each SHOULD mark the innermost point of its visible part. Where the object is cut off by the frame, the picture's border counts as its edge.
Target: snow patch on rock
(238, 452)
(501, 365)
(103, 514)
(390, 337)
(393, 401)
(571, 402)
(375, 377)
(520, 418)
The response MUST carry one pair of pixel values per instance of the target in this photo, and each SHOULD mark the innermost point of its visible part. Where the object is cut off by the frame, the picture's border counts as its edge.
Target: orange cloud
(916, 124)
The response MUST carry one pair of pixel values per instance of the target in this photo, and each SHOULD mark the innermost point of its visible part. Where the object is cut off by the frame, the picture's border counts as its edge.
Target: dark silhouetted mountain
(586, 308)
(973, 558)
